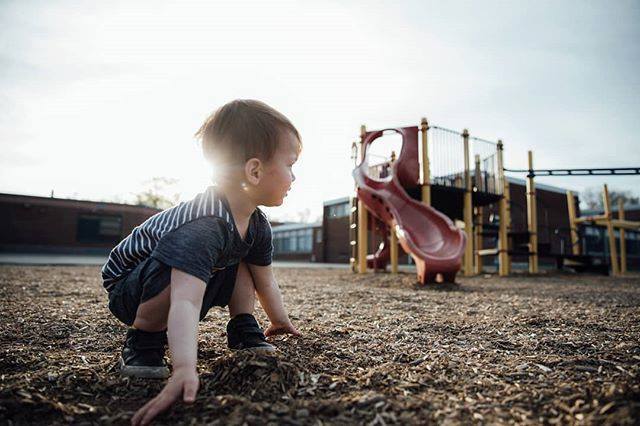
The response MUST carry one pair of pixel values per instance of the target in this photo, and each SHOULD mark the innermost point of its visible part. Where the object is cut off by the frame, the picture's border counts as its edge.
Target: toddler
(214, 250)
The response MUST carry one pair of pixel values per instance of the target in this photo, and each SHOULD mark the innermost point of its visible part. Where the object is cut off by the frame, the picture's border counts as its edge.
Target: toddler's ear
(253, 171)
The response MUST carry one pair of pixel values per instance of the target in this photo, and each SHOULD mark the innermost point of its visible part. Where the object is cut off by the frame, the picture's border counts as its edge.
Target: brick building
(31, 224)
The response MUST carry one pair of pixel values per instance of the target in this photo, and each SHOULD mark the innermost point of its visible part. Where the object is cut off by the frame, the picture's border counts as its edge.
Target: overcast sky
(98, 97)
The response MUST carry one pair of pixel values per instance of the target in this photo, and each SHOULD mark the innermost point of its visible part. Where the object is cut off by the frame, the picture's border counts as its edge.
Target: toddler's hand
(284, 328)
(183, 383)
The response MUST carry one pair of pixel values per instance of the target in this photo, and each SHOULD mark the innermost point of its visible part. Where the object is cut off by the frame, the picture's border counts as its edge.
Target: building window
(339, 210)
(296, 241)
(278, 243)
(99, 229)
(591, 231)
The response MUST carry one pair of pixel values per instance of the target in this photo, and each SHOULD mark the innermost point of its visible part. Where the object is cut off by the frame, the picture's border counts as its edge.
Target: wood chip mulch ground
(376, 350)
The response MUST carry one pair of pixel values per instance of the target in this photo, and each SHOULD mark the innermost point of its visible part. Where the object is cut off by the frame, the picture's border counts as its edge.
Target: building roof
(340, 200)
(538, 185)
(70, 203)
(614, 208)
(296, 226)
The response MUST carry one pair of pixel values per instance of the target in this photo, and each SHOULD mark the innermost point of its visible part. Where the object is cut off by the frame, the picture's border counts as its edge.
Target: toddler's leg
(243, 331)
(144, 348)
(152, 315)
(243, 297)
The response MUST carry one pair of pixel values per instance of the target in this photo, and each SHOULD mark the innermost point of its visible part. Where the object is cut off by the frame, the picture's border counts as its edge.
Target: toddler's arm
(271, 300)
(187, 292)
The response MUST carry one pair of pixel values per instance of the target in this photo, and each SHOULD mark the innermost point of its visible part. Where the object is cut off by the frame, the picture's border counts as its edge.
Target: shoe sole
(142, 371)
(267, 349)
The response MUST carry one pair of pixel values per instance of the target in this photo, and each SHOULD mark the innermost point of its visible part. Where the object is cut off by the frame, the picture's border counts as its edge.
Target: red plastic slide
(430, 237)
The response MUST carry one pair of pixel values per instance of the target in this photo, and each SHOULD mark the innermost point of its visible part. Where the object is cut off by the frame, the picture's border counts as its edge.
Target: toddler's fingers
(271, 332)
(139, 415)
(158, 407)
(190, 390)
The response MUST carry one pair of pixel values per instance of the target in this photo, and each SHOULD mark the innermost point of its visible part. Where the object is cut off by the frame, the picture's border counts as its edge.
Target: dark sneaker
(143, 355)
(244, 333)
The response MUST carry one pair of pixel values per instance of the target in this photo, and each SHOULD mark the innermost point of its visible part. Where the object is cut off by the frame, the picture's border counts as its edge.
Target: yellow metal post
(468, 208)
(426, 171)
(613, 250)
(353, 233)
(623, 243)
(478, 265)
(503, 242)
(353, 216)
(507, 194)
(573, 226)
(393, 238)
(532, 218)
(478, 218)
(362, 217)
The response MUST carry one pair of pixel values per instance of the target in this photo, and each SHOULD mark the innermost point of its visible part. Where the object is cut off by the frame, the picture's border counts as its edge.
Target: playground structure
(436, 170)
(575, 259)
(440, 172)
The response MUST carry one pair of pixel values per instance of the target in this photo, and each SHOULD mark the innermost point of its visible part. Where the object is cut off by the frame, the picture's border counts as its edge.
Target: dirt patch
(376, 350)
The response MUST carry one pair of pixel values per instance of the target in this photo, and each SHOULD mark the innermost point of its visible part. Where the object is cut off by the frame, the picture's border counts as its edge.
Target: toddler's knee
(153, 313)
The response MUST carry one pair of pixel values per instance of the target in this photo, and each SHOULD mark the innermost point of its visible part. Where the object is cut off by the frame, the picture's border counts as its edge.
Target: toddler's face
(278, 173)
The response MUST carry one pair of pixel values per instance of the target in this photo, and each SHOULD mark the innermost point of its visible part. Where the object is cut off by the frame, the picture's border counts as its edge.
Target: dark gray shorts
(151, 276)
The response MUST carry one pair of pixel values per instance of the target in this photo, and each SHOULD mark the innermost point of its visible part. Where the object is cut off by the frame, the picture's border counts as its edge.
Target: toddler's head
(251, 146)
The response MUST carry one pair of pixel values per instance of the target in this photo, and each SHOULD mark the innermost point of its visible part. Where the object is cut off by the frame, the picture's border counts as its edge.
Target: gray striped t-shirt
(144, 238)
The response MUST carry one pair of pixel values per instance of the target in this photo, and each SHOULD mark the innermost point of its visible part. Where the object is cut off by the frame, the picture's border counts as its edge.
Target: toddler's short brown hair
(243, 129)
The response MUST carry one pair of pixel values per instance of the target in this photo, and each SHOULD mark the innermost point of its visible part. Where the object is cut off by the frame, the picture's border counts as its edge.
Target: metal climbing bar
(605, 171)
